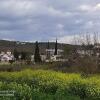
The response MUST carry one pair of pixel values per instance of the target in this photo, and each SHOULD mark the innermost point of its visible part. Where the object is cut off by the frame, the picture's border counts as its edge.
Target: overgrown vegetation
(86, 65)
(50, 85)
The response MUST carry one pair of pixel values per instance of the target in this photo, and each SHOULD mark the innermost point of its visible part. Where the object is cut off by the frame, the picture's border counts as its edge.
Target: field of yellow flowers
(49, 85)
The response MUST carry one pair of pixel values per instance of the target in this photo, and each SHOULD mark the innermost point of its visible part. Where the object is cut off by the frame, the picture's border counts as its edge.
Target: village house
(51, 57)
(51, 52)
(6, 56)
(95, 51)
(43, 58)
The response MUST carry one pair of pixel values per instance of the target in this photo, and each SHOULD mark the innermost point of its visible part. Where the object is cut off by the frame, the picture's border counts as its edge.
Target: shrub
(22, 91)
(30, 84)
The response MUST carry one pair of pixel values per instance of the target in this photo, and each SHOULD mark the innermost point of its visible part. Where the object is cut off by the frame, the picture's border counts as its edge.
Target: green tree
(55, 53)
(48, 45)
(23, 55)
(48, 53)
(16, 54)
(37, 57)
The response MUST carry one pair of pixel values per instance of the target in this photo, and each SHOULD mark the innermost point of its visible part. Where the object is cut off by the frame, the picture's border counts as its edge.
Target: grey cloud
(30, 20)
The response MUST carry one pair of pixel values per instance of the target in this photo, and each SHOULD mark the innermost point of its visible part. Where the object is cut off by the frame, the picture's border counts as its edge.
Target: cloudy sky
(43, 20)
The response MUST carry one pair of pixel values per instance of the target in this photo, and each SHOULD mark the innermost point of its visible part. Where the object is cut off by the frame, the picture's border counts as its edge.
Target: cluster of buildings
(50, 57)
(49, 54)
(92, 51)
(47, 57)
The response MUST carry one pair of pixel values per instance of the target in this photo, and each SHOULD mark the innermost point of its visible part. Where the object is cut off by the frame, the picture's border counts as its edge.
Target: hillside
(29, 47)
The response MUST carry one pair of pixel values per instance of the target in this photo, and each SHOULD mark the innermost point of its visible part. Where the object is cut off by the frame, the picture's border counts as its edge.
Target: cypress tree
(37, 57)
(48, 53)
(24, 55)
(16, 54)
(48, 46)
(55, 53)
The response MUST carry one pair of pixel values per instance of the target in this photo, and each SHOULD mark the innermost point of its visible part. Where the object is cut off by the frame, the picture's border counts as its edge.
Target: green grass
(50, 85)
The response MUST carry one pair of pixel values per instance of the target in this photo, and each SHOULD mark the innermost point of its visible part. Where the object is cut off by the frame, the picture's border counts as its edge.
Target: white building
(51, 57)
(32, 58)
(52, 51)
(6, 57)
(85, 52)
(43, 58)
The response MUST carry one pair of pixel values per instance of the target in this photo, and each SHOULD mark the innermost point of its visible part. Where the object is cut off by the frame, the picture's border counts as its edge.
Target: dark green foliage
(11, 61)
(37, 57)
(21, 91)
(55, 53)
(16, 54)
(23, 55)
(26, 92)
(48, 45)
(48, 53)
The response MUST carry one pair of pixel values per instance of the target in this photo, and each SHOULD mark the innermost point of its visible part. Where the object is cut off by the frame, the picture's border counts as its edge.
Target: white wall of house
(43, 57)
(52, 51)
(6, 56)
(32, 58)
